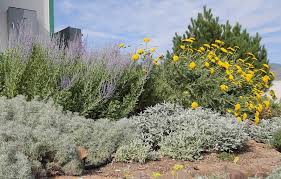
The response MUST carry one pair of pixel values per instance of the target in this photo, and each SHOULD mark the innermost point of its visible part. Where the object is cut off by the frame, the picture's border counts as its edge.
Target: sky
(107, 22)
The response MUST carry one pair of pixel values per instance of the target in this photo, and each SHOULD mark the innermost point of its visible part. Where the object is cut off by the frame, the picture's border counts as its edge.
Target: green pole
(51, 16)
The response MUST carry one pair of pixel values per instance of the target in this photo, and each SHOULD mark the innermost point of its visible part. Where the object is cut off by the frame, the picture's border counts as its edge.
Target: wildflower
(226, 65)
(215, 45)
(192, 38)
(219, 42)
(248, 77)
(188, 40)
(230, 77)
(224, 88)
(259, 108)
(237, 107)
(140, 51)
(202, 49)
(121, 45)
(206, 64)
(175, 58)
(156, 175)
(146, 39)
(257, 117)
(245, 116)
(192, 65)
(236, 159)
(266, 66)
(229, 110)
(239, 119)
(135, 57)
(178, 167)
(194, 105)
(232, 49)
(155, 62)
(267, 104)
(265, 79)
(207, 45)
(224, 50)
(182, 47)
(152, 50)
(212, 71)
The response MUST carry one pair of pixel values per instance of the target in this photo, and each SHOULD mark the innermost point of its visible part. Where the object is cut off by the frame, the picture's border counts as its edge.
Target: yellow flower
(155, 62)
(224, 88)
(215, 45)
(176, 58)
(250, 54)
(226, 65)
(266, 66)
(248, 77)
(267, 104)
(135, 57)
(152, 50)
(239, 119)
(232, 49)
(146, 39)
(182, 47)
(206, 64)
(257, 117)
(121, 45)
(192, 65)
(230, 77)
(190, 40)
(245, 116)
(265, 79)
(194, 105)
(177, 167)
(202, 49)
(156, 175)
(140, 51)
(219, 42)
(207, 45)
(224, 50)
(212, 71)
(237, 107)
(259, 108)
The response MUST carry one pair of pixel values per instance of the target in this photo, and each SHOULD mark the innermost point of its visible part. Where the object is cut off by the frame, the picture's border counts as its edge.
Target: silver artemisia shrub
(184, 133)
(39, 139)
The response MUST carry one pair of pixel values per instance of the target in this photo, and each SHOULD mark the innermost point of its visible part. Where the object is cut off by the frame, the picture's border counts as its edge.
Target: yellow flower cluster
(235, 74)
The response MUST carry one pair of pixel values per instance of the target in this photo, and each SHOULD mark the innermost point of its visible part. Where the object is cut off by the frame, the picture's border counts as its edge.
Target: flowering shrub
(213, 77)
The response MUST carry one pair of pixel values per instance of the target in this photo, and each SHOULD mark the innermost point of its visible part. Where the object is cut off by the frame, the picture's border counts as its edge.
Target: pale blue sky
(112, 21)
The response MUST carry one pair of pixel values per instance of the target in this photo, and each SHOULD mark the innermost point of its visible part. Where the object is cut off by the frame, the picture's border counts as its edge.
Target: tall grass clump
(102, 83)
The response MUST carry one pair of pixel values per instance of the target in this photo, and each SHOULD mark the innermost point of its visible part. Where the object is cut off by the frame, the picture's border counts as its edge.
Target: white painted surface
(40, 6)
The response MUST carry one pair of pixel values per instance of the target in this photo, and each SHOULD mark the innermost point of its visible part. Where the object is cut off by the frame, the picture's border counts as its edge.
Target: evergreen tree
(206, 29)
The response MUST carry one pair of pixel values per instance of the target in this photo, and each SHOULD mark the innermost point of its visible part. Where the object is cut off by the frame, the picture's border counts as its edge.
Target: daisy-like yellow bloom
(267, 104)
(259, 108)
(182, 47)
(202, 49)
(156, 175)
(245, 116)
(248, 77)
(155, 62)
(226, 65)
(192, 65)
(188, 40)
(207, 45)
(176, 58)
(257, 117)
(223, 88)
(212, 71)
(121, 45)
(146, 39)
(230, 77)
(237, 107)
(230, 48)
(239, 119)
(266, 66)
(224, 50)
(177, 167)
(194, 105)
(140, 51)
(219, 42)
(229, 111)
(135, 57)
(265, 79)
(206, 64)
(215, 45)
(152, 49)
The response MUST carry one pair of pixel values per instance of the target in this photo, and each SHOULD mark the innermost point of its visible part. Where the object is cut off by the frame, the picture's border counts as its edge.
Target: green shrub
(276, 140)
(103, 84)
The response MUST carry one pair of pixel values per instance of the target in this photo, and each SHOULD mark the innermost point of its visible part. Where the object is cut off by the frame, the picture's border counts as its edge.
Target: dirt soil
(258, 160)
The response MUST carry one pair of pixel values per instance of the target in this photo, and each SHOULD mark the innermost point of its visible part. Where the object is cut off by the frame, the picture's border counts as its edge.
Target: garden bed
(258, 159)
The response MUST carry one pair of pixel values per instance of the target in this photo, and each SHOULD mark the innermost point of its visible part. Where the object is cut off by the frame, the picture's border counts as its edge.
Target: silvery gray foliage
(185, 133)
(42, 139)
(264, 131)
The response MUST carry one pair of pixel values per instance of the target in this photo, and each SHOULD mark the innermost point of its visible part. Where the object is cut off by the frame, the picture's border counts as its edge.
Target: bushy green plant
(276, 140)
(103, 84)
(39, 139)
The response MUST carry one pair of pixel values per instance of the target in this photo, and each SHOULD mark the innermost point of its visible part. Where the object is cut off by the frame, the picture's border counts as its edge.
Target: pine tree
(206, 29)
